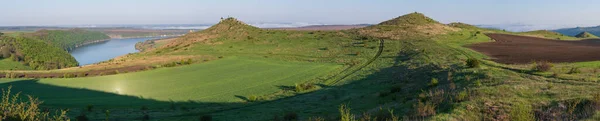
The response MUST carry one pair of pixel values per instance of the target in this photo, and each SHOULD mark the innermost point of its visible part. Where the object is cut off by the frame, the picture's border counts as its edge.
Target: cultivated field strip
(215, 81)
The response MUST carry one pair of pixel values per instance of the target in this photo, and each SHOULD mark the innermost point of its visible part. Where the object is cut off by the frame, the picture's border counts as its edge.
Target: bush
(253, 98)
(434, 82)
(81, 75)
(473, 63)
(478, 83)
(146, 117)
(304, 87)
(290, 116)
(68, 75)
(520, 112)
(90, 108)
(543, 66)
(462, 96)
(574, 70)
(206, 118)
(345, 114)
(16, 110)
(82, 117)
(396, 88)
(425, 109)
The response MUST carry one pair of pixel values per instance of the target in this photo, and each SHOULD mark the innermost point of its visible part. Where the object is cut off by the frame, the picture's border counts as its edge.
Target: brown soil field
(322, 27)
(513, 49)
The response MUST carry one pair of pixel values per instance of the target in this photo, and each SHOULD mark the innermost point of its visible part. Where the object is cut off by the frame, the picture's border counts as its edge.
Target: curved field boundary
(381, 46)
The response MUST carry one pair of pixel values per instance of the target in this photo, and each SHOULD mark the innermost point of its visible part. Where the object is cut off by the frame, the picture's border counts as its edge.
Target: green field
(416, 75)
(8, 64)
(215, 81)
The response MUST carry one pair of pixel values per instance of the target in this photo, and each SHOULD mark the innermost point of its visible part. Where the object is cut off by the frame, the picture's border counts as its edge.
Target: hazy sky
(88, 12)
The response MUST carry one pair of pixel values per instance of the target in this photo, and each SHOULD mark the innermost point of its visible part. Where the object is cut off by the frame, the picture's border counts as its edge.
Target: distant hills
(578, 30)
(585, 35)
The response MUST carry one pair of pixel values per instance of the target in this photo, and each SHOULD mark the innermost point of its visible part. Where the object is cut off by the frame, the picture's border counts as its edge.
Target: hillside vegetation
(68, 39)
(574, 31)
(408, 68)
(586, 35)
(34, 53)
(406, 26)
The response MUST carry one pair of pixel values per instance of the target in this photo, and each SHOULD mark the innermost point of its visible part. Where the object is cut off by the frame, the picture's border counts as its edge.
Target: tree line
(68, 39)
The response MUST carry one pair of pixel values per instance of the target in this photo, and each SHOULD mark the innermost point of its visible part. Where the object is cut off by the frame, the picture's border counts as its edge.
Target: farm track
(381, 47)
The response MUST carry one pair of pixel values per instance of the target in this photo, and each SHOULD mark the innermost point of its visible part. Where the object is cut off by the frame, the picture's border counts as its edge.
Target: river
(102, 51)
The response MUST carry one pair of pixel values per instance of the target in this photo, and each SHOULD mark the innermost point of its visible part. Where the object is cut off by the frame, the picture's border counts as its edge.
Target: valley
(411, 67)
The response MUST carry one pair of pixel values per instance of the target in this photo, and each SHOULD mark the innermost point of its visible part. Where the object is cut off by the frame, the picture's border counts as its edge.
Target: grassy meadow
(216, 81)
(256, 74)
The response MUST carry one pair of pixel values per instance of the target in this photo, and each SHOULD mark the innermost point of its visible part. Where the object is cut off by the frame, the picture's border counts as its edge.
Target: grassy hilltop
(408, 68)
(585, 35)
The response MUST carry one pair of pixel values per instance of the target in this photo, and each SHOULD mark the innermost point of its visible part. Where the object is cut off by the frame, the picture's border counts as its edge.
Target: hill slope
(407, 26)
(35, 53)
(395, 69)
(585, 35)
(574, 31)
(68, 39)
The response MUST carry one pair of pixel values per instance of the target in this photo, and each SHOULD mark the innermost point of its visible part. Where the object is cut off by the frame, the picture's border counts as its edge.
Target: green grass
(8, 64)
(549, 35)
(216, 81)
(257, 63)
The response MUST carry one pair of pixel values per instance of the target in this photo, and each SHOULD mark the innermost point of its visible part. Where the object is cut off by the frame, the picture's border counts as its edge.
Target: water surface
(98, 52)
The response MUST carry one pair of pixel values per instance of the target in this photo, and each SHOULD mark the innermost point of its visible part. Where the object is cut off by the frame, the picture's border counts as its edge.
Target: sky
(479, 12)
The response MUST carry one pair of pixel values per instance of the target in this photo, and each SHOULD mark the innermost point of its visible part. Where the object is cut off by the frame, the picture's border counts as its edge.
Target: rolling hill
(411, 67)
(34, 54)
(68, 39)
(585, 35)
(574, 31)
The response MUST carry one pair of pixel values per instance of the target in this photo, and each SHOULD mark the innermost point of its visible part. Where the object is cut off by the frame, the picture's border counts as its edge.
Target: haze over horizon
(538, 14)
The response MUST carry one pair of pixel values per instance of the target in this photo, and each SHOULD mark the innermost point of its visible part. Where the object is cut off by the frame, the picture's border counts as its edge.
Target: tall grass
(345, 114)
(14, 109)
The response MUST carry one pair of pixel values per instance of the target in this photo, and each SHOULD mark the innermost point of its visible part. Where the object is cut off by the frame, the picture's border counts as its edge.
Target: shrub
(462, 96)
(81, 75)
(434, 82)
(543, 66)
(253, 98)
(473, 63)
(82, 117)
(206, 118)
(396, 88)
(290, 116)
(16, 110)
(146, 117)
(304, 87)
(478, 83)
(520, 112)
(107, 115)
(90, 108)
(345, 114)
(574, 70)
(68, 75)
(425, 109)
